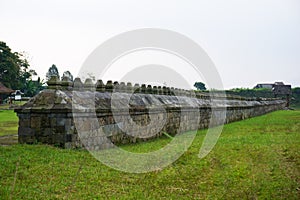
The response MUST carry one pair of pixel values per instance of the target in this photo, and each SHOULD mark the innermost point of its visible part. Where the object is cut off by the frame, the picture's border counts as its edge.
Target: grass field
(15, 103)
(257, 158)
(8, 122)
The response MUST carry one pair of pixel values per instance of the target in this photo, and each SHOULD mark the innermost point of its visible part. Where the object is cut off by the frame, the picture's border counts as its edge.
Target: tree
(52, 71)
(200, 86)
(13, 67)
(15, 72)
(296, 90)
(33, 87)
(68, 75)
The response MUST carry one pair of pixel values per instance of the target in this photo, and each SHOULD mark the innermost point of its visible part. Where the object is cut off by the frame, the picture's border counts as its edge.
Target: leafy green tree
(200, 86)
(296, 90)
(52, 71)
(15, 72)
(13, 67)
(33, 87)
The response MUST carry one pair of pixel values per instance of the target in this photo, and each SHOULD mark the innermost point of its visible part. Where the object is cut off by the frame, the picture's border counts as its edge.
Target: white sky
(249, 41)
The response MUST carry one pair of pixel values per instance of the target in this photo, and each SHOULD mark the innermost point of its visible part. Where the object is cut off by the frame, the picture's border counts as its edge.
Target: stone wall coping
(110, 86)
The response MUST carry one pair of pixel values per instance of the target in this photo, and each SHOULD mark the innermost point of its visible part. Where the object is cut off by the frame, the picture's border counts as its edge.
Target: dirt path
(8, 140)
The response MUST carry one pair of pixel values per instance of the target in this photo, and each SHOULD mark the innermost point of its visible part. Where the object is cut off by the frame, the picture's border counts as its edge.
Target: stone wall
(67, 110)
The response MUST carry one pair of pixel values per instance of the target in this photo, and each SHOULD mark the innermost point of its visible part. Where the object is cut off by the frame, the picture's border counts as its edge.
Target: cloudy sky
(248, 41)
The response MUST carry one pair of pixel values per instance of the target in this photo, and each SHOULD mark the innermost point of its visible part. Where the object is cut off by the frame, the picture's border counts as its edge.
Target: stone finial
(177, 92)
(136, 88)
(116, 86)
(116, 83)
(149, 89)
(182, 93)
(109, 86)
(122, 87)
(168, 91)
(186, 93)
(154, 90)
(192, 93)
(66, 83)
(207, 96)
(172, 91)
(129, 87)
(197, 94)
(165, 91)
(77, 84)
(54, 83)
(88, 84)
(100, 87)
(143, 89)
(159, 89)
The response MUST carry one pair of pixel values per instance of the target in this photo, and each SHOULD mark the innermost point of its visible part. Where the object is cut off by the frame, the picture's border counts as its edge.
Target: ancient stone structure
(59, 113)
(285, 90)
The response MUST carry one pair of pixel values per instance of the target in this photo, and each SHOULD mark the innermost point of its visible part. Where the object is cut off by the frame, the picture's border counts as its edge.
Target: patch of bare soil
(8, 140)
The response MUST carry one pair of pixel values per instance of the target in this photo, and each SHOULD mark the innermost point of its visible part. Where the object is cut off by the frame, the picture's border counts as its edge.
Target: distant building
(282, 90)
(278, 89)
(268, 85)
(278, 83)
(17, 95)
(264, 85)
(4, 92)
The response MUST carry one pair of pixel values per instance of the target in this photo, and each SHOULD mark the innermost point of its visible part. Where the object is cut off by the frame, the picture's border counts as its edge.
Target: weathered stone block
(24, 122)
(26, 139)
(60, 121)
(35, 122)
(26, 131)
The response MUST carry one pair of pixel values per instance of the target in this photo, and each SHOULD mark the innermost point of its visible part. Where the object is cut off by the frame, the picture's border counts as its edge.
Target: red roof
(5, 90)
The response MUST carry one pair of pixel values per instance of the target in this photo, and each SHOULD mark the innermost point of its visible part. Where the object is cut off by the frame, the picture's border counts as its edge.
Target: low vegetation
(295, 102)
(254, 158)
(266, 93)
(246, 92)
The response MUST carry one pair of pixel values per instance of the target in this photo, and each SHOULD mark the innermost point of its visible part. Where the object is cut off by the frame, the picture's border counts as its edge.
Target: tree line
(15, 72)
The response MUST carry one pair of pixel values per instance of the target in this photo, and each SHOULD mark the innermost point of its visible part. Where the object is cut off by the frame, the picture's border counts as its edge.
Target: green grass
(15, 103)
(8, 122)
(254, 158)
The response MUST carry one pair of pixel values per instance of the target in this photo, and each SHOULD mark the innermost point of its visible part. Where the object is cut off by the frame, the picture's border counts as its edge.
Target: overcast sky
(250, 42)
